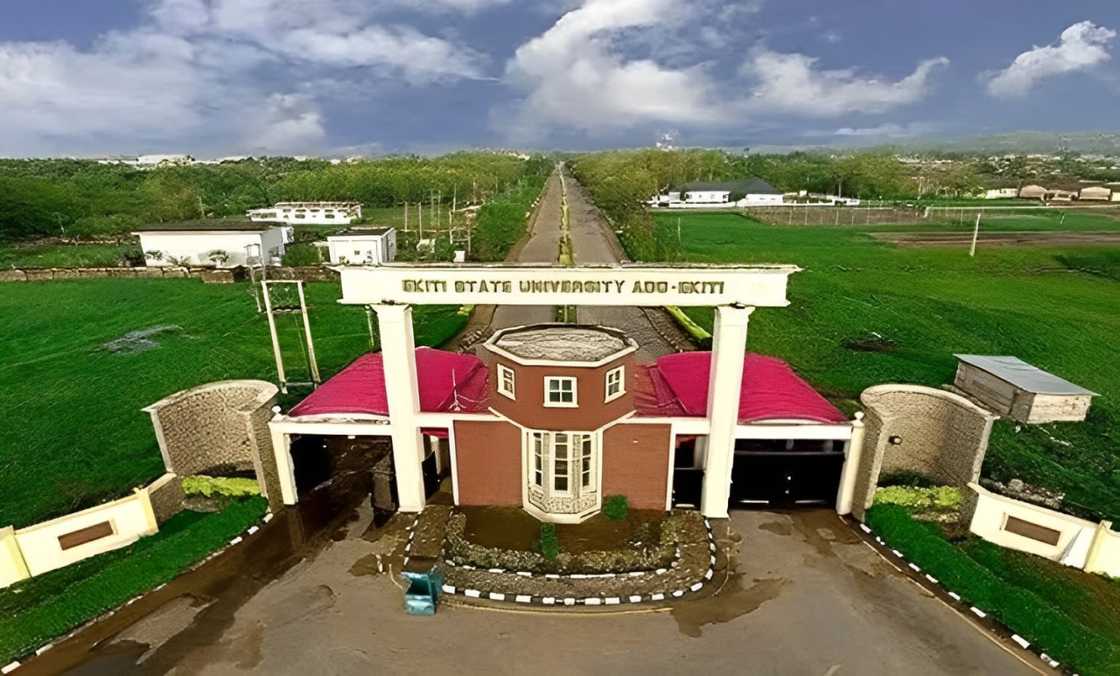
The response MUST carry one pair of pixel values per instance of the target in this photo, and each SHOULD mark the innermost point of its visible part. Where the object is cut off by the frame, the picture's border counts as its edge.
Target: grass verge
(1024, 595)
(41, 608)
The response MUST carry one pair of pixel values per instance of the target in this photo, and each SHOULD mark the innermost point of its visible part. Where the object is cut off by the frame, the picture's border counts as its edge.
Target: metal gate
(786, 478)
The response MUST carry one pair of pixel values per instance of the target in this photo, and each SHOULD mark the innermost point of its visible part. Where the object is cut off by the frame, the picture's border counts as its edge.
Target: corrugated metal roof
(1022, 375)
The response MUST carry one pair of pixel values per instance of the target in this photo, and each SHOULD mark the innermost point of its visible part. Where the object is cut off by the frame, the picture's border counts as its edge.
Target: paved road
(593, 242)
(804, 596)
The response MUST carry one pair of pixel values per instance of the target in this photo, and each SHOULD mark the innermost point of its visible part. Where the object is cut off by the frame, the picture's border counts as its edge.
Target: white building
(1000, 193)
(708, 194)
(372, 246)
(216, 243)
(310, 213)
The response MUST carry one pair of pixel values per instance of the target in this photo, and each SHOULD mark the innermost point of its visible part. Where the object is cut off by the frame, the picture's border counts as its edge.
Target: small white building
(1000, 193)
(709, 194)
(371, 246)
(310, 213)
(217, 243)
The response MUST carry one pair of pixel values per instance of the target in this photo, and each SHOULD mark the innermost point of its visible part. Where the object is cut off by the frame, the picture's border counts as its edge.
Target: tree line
(86, 199)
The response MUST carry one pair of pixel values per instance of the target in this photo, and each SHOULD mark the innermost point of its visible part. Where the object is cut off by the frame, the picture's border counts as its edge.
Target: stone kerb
(929, 431)
(217, 428)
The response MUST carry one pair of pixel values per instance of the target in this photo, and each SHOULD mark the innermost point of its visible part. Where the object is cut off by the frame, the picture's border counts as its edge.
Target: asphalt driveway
(804, 596)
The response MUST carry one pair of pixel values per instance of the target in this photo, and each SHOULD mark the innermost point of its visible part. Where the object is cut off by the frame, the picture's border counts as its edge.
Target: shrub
(550, 544)
(230, 487)
(943, 498)
(616, 507)
(906, 478)
(1022, 610)
(302, 254)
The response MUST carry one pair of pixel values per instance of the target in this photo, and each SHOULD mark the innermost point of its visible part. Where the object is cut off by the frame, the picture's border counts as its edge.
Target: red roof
(449, 381)
(770, 390)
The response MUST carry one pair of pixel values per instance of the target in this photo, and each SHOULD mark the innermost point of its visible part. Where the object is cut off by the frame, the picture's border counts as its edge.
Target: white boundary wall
(37, 549)
(1079, 543)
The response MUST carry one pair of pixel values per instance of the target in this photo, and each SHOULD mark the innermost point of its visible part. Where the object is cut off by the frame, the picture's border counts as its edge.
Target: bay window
(562, 471)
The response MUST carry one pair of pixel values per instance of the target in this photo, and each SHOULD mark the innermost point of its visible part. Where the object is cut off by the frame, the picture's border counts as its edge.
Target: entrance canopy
(505, 284)
(770, 390)
(448, 381)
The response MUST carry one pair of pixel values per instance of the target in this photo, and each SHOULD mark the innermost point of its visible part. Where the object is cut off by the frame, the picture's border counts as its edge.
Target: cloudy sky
(217, 77)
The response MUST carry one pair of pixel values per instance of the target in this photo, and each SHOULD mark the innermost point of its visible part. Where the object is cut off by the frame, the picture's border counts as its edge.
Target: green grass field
(1058, 308)
(74, 432)
(63, 255)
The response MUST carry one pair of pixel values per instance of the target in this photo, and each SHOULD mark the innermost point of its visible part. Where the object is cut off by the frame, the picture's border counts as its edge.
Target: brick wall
(636, 464)
(488, 462)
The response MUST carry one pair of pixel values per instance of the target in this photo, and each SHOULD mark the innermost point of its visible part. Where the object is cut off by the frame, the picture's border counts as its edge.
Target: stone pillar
(851, 467)
(398, 352)
(729, 342)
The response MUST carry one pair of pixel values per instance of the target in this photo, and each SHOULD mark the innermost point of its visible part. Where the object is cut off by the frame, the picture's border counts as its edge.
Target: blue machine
(422, 594)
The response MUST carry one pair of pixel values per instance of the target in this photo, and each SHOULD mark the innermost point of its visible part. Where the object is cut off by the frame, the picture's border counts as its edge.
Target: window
(538, 459)
(561, 462)
(506, 382)
(560, 391)
(585, 461)
(616, 383)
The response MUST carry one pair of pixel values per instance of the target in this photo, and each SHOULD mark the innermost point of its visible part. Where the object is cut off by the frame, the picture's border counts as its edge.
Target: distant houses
(309, 213)
(715, 194)
(1093, 193)
(214, 243)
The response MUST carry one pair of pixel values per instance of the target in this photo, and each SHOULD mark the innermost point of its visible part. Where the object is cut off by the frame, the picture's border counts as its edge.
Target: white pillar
(729, 344)
(398, 352)
(850, 472)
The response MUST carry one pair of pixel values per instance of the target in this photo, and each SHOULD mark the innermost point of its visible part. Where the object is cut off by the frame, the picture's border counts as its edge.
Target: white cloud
(1081, 46)
(792, 84)
(193, 70)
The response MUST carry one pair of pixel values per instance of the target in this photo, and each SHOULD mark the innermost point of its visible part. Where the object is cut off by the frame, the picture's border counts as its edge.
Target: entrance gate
(391, 289)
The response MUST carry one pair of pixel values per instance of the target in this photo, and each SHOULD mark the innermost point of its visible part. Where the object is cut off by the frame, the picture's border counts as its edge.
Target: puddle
(732, 602)
(140, 340)
(776, 527)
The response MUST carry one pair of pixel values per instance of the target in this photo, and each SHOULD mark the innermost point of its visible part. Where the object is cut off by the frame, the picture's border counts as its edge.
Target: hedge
(1026, 613)
(41, 608)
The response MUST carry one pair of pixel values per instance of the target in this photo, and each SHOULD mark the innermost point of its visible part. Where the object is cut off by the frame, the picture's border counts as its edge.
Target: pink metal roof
(449, 381)
(770, 390)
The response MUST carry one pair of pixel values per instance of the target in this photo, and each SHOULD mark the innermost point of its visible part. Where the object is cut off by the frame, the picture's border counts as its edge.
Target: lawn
(1054, 307)
(36, 610)
(1072, 616)
(64, 255)
(74, 432)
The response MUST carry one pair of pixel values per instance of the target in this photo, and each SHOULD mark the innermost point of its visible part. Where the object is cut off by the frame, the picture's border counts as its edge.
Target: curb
(958, 602)
(240, 539)
(525, 599)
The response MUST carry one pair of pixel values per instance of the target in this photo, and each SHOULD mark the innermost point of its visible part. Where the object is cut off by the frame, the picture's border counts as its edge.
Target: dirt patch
(734, 601)
(514, 528)
(775, 527)
(872, 342)
(1013, 238)
(140, 340)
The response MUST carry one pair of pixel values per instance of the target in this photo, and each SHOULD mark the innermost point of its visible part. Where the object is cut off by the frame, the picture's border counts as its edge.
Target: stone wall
(206, 274)
(166, 496)
(219, 428)
(910, 428)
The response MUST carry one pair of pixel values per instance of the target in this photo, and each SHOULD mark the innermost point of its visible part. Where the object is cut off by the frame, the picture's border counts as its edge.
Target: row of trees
(76, 198)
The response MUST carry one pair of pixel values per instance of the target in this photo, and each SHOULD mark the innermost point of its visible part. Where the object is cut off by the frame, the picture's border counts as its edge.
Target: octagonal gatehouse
(563, 387)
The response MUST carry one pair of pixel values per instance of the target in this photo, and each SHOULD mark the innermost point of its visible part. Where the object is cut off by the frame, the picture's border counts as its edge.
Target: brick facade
(636, 464)
(488, 462)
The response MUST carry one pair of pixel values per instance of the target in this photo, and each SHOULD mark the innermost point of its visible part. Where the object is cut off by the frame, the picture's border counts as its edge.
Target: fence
(823, 214)
(207, 275)
(45, 546)
(1007, 522)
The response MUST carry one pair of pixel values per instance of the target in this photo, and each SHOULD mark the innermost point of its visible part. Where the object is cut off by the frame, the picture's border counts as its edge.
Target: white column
(850, 473)
(729, 344)
(398, 352)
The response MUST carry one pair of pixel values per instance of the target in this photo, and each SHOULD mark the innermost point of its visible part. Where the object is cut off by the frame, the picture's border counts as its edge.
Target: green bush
(906, 478)
(616, 507)
(503, 220)
(230, 487)
(1025, 612)
(550, 544)
(942, 498)
(41, 608)
(302, 254)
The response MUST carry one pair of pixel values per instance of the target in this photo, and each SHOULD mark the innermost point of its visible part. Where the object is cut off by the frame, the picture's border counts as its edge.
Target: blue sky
(223, 77)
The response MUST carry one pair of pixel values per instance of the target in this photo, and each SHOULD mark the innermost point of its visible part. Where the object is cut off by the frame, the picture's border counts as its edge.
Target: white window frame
(554, 456)
(511, 391)
(537, 443)
(548, 380)
(586, 462)
(619, 371)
